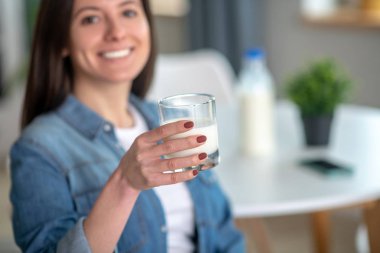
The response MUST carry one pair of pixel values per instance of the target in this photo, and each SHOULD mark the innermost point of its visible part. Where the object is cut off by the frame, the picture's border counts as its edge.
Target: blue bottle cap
(255, 53)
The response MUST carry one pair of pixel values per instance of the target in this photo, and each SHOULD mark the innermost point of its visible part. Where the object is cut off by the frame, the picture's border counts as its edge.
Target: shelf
(346, 18)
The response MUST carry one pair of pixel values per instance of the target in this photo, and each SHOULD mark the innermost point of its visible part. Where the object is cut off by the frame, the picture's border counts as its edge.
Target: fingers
(177, 177)
(161, 172)
(167, 130)
(172, 146)
(154, 152)
(145, 168)
(180, 162)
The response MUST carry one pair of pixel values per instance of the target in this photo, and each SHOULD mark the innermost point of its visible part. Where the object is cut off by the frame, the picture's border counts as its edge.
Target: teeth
(117, 54)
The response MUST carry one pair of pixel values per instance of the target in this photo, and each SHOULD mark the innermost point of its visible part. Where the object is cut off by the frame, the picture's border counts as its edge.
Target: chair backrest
(201, 71)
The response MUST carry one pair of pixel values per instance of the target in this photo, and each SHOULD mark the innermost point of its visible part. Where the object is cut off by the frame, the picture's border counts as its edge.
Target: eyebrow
(97, 9)
(84, 9)
(129, 2)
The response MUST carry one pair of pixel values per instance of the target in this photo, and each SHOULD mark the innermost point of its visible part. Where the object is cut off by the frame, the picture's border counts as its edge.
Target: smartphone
(327, 167)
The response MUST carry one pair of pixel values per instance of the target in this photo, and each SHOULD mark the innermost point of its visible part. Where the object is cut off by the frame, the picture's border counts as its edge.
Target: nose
(116, 30)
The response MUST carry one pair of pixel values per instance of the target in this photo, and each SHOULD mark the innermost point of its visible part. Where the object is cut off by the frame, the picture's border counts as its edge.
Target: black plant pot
(317, 129)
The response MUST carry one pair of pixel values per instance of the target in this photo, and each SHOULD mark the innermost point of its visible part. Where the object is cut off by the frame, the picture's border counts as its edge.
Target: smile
(117, 54)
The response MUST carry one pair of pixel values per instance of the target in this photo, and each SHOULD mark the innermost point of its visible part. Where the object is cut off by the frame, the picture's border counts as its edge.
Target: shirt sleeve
(232, 239)
(44, 217)
(75, 240)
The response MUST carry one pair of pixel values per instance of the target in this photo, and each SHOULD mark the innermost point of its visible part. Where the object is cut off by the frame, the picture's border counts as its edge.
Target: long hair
(50, 77)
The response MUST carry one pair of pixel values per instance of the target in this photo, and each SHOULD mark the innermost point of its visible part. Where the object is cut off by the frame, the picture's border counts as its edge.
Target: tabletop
(278, 185)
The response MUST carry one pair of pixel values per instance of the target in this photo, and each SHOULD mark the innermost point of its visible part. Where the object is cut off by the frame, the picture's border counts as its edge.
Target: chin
(118, 81)
(119, 77)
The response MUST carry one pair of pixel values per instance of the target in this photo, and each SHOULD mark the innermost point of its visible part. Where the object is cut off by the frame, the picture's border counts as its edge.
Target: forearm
(110, 214)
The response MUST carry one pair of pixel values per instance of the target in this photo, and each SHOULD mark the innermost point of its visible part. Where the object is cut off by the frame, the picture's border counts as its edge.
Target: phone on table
(327, 167)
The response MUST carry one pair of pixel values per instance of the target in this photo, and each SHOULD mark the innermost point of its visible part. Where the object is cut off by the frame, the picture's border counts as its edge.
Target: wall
(171, 34)
(170, 24)
(13, 53)
(291, 44)
(12, 36)
(10, 110)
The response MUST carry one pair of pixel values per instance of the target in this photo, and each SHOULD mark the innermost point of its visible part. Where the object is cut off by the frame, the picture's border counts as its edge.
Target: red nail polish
(201, 139)
(202, 156)
(189, 124)
(195, 172)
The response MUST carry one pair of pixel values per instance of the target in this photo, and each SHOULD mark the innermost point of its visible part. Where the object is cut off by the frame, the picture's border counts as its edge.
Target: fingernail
(189, 124)
(201, 139)
(195, 172)
(202, 156)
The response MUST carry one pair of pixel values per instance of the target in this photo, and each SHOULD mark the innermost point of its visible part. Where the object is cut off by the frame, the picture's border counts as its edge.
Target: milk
(257, 129)
(200, 109)
(256, 95)
(205, 128)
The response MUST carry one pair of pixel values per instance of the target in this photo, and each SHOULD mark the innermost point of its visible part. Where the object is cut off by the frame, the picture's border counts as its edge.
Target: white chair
(201, 71)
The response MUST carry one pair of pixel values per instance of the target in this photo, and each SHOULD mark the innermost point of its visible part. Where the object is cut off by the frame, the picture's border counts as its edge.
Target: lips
(117, 53)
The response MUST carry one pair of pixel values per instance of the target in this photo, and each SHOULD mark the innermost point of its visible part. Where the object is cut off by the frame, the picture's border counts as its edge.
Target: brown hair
(50, 77)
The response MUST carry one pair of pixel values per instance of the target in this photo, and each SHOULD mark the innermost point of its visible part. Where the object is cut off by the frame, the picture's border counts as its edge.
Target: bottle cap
(255, 53)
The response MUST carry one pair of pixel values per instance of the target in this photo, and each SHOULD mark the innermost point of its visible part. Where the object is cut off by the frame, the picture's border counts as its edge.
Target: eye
(89, 20)
(129, 13)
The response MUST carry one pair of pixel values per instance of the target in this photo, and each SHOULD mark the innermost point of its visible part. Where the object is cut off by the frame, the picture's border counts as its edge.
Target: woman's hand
(142, 166)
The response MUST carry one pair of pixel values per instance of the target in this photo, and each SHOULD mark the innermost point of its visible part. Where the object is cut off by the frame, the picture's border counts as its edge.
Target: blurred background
(292, 32)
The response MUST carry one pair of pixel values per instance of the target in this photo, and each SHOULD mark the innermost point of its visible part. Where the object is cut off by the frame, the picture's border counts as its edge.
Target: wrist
(123, 185)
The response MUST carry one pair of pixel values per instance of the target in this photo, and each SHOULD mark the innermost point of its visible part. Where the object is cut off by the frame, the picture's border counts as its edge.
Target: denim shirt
(61, 162)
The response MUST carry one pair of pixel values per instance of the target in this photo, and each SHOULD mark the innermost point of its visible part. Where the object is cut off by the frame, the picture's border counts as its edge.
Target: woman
(86, 171)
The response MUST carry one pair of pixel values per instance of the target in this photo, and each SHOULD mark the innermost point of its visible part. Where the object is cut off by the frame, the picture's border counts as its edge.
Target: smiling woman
(110, 43)
(91, 148)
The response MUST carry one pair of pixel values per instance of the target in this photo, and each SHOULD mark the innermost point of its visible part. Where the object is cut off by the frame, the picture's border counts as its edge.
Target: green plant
(319, 88)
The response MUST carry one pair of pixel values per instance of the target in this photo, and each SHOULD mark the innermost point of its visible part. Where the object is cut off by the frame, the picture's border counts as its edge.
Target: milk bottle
(256, 96)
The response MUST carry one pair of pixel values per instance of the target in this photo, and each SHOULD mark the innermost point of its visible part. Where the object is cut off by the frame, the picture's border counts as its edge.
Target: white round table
(277, 185)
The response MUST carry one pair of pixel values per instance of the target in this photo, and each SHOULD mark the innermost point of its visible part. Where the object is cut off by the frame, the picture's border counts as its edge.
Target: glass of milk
(199, 108)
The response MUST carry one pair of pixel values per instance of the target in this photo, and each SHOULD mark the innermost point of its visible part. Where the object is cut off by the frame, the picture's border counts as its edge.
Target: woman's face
(109, 40)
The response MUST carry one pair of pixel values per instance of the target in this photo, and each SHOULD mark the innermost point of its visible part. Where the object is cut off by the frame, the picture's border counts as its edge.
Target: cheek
(83, 39)
(144, 34)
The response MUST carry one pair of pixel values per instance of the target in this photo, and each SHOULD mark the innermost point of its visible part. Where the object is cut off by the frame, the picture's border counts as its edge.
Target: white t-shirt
(175, 199)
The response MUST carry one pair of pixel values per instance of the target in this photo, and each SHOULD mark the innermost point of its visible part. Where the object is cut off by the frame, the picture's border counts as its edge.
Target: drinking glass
(199, 108)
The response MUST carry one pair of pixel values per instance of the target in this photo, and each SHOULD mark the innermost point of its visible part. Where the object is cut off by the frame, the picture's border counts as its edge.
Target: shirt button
(107, 127)
(164, 229)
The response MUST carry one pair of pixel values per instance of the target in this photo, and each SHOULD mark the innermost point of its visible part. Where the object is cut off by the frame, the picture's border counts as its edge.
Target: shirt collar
(148, 110)
(89, 123)
(80, 117)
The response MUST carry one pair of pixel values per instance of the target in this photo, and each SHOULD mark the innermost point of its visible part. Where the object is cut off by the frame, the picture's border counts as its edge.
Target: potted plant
(317, 91)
